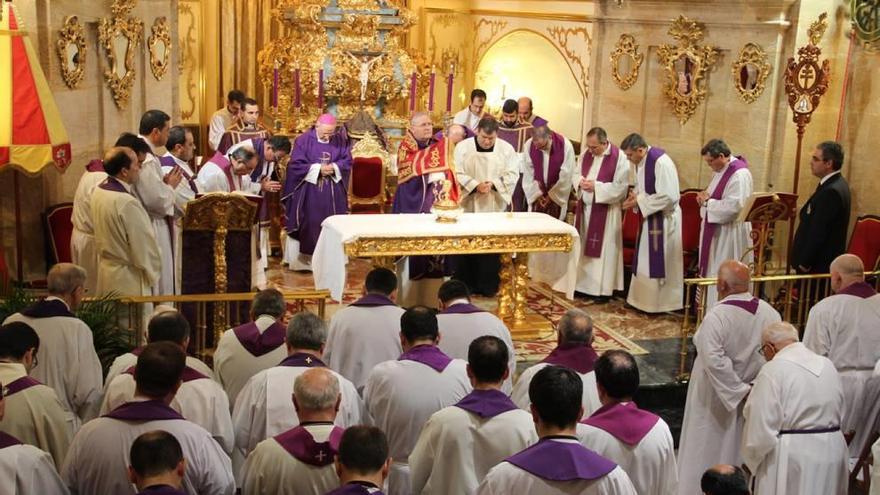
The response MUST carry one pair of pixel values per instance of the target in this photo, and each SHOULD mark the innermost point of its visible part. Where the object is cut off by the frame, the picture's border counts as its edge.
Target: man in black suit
(824, 219)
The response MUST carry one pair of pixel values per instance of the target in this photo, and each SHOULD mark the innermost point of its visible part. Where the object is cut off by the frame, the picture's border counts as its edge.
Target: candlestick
(449, 81)
(275, 87)
(412, 93)
(321, 91)
(297, 94)
(431, 90)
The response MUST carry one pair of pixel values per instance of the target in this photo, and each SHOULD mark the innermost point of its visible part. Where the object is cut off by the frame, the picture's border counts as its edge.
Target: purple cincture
(708, 227)
(562, 461)
(579, 357)
(656, 246)
(858, 289)
(751, 305)
(257, 343)
(462, 309)
(372, 300)
(429, 355)
(625, 422)
(148, 410)
(486, 403)
(299, 443)
(48, 309)
(302, 360)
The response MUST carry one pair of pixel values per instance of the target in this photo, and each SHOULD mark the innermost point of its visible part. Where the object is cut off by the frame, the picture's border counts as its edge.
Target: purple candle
(296, 89)
(449, 81)
(321, 90)
(431, 90)
(412, 93)
(275, 87)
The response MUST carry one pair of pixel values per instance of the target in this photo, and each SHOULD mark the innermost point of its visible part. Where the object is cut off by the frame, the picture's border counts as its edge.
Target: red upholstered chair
(59, 229)
(865, 240)
(631, 222)
(366, 186)
(690, 230)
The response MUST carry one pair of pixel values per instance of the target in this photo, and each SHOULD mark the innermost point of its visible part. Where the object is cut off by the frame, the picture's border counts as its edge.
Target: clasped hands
(484, 187)
(173, 178)
(270, 185)
(588, 185)
(630, 201)
(702, 197)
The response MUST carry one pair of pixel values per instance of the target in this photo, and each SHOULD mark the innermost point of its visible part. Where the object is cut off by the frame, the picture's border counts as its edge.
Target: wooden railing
(792, 295)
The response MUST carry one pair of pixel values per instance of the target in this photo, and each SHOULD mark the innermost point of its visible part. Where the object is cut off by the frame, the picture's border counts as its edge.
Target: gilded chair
(366, 187)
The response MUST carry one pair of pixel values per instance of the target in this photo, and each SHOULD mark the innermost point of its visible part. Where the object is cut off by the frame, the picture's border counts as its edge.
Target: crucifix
(365, 63)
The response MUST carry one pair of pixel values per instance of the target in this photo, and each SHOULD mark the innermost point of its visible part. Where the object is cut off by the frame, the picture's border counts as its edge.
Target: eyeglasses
(817, 159)
(762, 350)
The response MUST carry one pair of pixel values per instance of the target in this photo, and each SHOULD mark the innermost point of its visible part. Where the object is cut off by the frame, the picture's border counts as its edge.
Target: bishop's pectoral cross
(656, 235)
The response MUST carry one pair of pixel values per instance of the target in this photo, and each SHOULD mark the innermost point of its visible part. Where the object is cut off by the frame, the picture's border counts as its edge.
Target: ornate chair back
(366, 188)
(59, 230)
(690, 230)
(865, 240)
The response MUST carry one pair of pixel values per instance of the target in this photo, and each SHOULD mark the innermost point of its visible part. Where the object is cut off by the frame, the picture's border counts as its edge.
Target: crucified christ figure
(365, 64)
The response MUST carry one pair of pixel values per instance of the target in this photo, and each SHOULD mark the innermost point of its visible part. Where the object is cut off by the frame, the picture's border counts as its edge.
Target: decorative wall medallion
(866, 22)
(160, 47)
(71, 48)
(750, 72)
(686, 65)
(626, 61)
(120, 35)
(805, 80)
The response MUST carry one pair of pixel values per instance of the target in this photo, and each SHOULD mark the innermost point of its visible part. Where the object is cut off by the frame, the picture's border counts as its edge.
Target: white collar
(462, 300)
(825, 179)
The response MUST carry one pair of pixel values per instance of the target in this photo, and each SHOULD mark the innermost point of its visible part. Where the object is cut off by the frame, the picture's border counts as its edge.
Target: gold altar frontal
(514, 272)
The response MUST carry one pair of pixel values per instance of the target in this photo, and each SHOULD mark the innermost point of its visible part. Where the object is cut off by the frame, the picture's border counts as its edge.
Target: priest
(300, 460)
(156, 464)
(843, 328)
(402, 394)
(460, 322)
(525, 109)
(792, 441)
(363, 462)
(366, 332)
(82, 240)
(258, 345)
(246, 126)
(721, 378)
(574, 350)
(314, 188)
(181, 150)
(657, 273)
(470, 116)
(272, 152)
(33, 413)
(460, 443)
(549, 161)
(515, 133)
(98, 457)
(224, 117)
(722, 235)
(638, 441)
(557, 463)
(231, 172)
(601, 186)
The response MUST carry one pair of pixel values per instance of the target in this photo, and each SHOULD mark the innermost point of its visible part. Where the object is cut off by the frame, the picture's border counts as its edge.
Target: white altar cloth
(329, 259)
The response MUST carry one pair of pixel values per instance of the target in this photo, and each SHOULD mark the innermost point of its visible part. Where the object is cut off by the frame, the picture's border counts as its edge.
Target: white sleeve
(505, 183)
(212, 179)
(156, 196)
(736, 193)
(86, 387)
(530, 186)
(421, 460)
(249, 415)
(560, 191)
(313, 174)
(666, 186)
(215, 133)
(764, 416)
(35, 473)
(709, 341)
(615, 191)
(817, 335)
(466, 182)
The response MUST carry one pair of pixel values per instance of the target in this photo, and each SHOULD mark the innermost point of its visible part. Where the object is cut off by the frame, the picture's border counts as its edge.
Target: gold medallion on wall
(160, 48)
(626, 61)
(71, 48)
(750, 71)
(686, 65)
(120, 35)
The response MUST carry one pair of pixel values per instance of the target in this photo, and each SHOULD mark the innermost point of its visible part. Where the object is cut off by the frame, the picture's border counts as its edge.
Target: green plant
(16, 300)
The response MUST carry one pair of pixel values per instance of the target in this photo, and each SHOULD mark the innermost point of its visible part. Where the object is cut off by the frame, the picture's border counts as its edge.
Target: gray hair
(64, 278)
(316, 389)
(417, 115)
(848, 265)
(781, 332)
(306, 331)
(633, 141)
(243, 153)
(269, 302)
(576, 327)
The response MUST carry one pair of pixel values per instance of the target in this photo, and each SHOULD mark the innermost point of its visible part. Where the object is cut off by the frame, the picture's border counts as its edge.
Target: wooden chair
(59, 229)
(366, 186)
(690, 230)
(865, 240)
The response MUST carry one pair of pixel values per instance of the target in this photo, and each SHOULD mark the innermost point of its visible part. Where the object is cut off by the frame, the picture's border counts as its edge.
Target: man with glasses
(726, 364)
(824, 218)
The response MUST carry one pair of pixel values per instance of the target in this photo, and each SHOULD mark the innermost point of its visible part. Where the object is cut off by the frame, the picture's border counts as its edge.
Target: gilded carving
(626, 61)
(686, 65)
(187, 64)
(750, 72)
(865, 16)
(481, 44)
(159, 45)
(71, 48)
(805, 80)
(370, 147)
(406, 246)
(209, 212)
(561, 36)
(120, 36)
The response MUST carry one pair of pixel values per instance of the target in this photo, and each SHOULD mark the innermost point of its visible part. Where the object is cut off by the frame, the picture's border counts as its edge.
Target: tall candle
(412, 93)
(321, 90)
(449, 81)
(431, 90)
(297, 94)
(275, 87)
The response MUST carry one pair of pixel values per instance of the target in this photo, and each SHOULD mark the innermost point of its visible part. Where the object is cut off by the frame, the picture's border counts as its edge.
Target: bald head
(456, 133)
(316, 393)
(524, 109)
(846, 269)
(733, 278)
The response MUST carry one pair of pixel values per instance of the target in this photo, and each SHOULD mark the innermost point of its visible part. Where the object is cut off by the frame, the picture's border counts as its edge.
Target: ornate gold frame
(133, 30)
(864, 15)
(689, 33)
(626, 45)
(160, 33)
(369, 147)
(752, 54)
(72, 33)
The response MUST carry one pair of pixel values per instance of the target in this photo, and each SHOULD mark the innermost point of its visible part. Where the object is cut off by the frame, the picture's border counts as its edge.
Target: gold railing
(792, 295)
(131, 309)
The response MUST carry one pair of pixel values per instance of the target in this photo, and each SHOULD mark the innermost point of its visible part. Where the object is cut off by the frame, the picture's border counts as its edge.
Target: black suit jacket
(821, 233)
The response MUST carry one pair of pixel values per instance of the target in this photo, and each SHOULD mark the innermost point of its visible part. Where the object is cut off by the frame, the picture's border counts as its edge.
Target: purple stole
(462, 309)
(299, 443)
(161, 490)
(7, 440)
(858, 289)
(429, 355)
(598, 211)
(486, 403)
(221, 161)
(302, 360)
(709, 228)
(168, 161)
(562, 461)
(112, 184)
(257, 343)
(48, 309)
(554, 165)
(373, 300)
(95, 165)
(148, 410)
(19, 384)
(656, 247)
(355, 488)
(578, 357)
(188, 375)
(751, 306)
(625, 422)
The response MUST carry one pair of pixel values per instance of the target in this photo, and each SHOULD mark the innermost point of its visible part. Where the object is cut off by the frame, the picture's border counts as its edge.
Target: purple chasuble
(372, 300)
(189, 374)
(161, 490)
(554, 165)
(299, 443)
(486, 403)
(579, 357)
(7, 440)
(462, 309)
(48, 309)
(302, 360)
(751, 305)
(355, 488)
(709, 228)
(859, 289)
(149, 410)
(112, 184)
(257, 343)
(562, 461)
(429, 355)
(656, 232)
(307, 204)
(625, 422)
(95, 165)
(169, 162)
(598, 211)
(19, 384)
